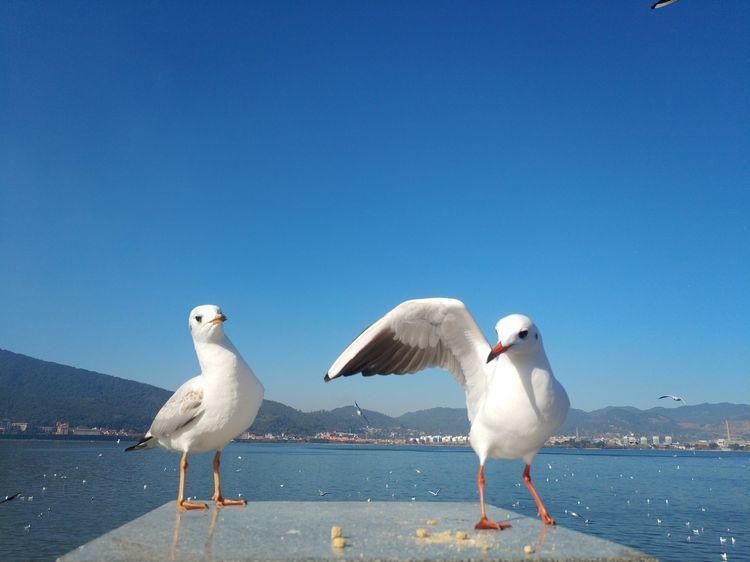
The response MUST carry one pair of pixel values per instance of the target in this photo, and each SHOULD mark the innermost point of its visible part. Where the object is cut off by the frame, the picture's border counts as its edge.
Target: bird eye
(523, 333)
(198, 318)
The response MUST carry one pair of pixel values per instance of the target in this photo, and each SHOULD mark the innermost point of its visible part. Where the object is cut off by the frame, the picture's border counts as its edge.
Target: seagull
(10, 498)
(209, 410)
(434, 493)
(513, 401)
(662, 4)
(322, 492)
(724, 556)
(673, 397)
(361, 413)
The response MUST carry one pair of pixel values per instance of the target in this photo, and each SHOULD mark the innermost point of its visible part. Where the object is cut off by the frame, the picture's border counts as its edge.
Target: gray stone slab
(376, 531)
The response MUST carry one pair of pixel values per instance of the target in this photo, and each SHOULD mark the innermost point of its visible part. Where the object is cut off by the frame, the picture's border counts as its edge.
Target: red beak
(499, 349)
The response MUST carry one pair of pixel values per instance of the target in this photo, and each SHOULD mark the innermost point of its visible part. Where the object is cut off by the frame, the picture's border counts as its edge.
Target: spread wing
(185, 405)
(418, 334)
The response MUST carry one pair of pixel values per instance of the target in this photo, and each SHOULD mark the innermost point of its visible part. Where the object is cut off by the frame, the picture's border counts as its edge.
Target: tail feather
(142, 444)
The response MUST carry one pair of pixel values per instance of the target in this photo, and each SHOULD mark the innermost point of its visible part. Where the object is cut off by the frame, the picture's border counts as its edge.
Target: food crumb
(422, 533)
(461, 535)
(339, 542)
(432, 522)
(335, 531)
(528, 549)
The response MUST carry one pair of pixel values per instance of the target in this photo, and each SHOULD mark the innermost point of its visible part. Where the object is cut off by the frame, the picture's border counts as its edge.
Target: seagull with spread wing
(209, 410)
(673, 397)
(514, 402)
(361, 413)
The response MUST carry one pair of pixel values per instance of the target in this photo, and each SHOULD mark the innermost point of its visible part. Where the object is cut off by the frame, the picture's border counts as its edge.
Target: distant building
(4, 425)
(19, 426)
(667, 439)
(86, 431)
(644, 441)
(62, 428)
(655, 440)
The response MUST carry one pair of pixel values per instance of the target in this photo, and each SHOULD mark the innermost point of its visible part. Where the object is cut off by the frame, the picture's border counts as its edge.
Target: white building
(667, 439)
(655, 440)
(644, 441)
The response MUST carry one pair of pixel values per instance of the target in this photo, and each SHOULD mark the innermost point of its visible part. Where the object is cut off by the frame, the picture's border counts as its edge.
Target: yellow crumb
(339, 542)
(422, 533)
(432, 522)
(462, 535)
(335, 531)
(528, 549)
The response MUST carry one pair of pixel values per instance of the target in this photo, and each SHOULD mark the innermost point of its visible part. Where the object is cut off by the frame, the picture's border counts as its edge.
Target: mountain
(451, 421)
(41, 392)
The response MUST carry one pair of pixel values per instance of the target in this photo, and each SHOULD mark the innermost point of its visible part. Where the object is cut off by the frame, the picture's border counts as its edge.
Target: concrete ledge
(377, 531)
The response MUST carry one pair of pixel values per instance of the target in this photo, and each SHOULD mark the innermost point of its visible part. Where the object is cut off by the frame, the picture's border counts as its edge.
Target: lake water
(656, 502)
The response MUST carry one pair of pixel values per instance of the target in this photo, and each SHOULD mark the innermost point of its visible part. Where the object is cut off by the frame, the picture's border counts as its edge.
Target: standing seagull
(209, 410)
(513, 401)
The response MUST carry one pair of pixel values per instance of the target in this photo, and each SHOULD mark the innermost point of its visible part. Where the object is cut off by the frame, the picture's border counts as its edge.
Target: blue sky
(309, 165)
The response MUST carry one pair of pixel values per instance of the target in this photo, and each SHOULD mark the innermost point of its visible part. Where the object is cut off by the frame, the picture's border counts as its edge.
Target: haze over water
(83, 489)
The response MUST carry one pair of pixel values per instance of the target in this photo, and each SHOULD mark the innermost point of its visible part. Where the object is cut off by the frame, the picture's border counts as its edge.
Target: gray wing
(418, 334)
(184, 407)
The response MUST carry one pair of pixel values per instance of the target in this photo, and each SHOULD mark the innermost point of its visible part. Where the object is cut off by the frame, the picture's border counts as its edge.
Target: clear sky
(307, 166)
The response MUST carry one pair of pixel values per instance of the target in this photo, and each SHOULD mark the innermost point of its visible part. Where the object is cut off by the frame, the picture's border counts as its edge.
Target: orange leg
(181, 503)
(485, 523)
(217, 497)
(542, 510)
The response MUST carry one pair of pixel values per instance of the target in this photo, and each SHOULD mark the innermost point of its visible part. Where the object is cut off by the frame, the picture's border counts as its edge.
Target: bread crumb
(432, 522)
(422, 533)
(335, 531)
(462, 535)
(339, 542)
(528, 549)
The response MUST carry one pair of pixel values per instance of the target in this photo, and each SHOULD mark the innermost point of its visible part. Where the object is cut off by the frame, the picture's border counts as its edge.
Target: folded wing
(416, 335)
(184, 407)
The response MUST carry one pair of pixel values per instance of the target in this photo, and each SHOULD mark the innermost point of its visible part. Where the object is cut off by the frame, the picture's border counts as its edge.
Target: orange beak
(499, 349)
(219, 319)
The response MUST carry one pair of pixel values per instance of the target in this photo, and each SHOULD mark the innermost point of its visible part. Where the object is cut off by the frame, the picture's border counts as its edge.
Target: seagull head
(516, 334)
(206, 322)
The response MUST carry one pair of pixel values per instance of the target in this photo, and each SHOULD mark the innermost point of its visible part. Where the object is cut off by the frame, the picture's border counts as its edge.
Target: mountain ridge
(43, 392)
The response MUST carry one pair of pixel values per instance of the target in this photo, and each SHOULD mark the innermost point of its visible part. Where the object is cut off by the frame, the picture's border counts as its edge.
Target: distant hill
(41, 392)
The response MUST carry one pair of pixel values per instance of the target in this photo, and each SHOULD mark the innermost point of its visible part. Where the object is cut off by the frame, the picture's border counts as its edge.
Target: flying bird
(514, 402)
(361, 413)
(209, 410)
(662, 4)
(434, 493)
(675, 398)
(322, 493)
(10, 498)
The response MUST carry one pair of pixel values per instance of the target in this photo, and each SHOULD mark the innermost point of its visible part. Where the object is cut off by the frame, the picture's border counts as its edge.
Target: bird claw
(487, 525)
(221, 502)
(547, 519)
(187, 506)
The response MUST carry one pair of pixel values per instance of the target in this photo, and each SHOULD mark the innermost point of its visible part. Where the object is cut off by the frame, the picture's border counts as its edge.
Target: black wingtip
(326, 378)
(140, 445)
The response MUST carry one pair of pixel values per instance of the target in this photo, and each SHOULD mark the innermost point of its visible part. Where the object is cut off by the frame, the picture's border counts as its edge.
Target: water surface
(656, 502)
